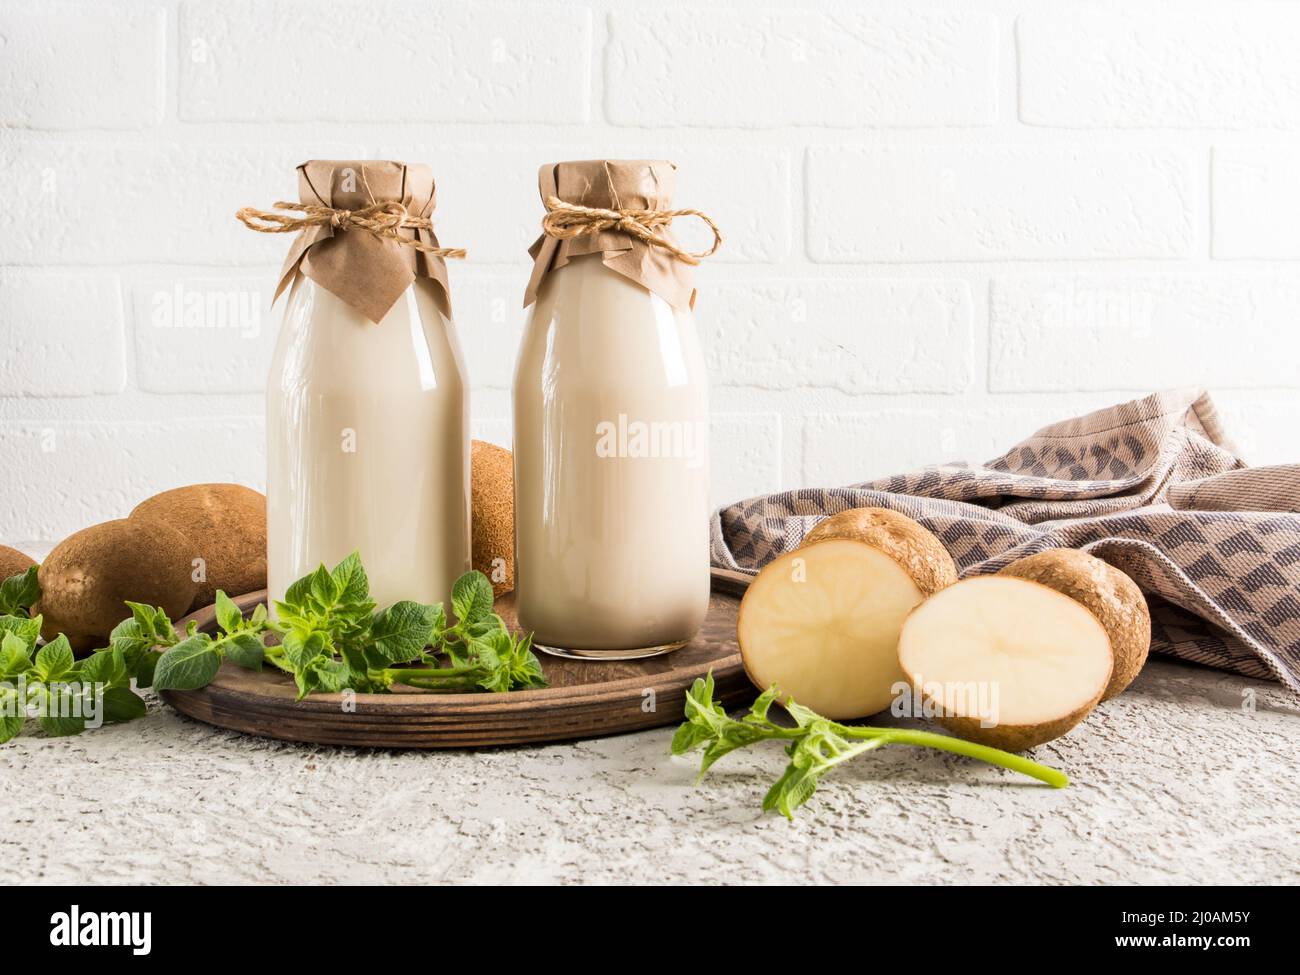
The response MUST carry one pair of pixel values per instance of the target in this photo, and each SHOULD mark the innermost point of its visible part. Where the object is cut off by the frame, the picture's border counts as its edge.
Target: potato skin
(12, 562)
(223, 524)
(492, 500)
(903, 539)
(87, 578)
(1015, 738)
(1108, 593)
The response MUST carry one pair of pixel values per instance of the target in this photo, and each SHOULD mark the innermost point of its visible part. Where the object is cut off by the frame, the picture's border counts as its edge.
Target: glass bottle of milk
(610, 424)
(367, 407)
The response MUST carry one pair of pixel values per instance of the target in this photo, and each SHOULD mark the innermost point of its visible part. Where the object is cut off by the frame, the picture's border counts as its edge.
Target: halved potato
(903, 539)
(1040, 659)
(822, 623)
(1109, 593)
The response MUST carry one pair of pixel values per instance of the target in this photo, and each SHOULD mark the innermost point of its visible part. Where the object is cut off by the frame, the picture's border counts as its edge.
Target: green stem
(436, 678)
(854, 751)
(279, 662)
(274, 655)
(429, 673)
(958, 746)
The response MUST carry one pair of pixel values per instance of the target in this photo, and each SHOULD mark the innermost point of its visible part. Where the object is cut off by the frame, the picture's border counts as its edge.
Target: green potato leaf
(301, 647)
(128, 634)
(55, 659)
(471, 598)
(145, 668)
(15, 655)
(107, 667)
(401, 632)
(244, 649)
(11, 725)
(64, 711)
(324, 589)
(27, 629)
(351, 580)
(324, 675)
(61, 726)
(122, 704)
(189, 665)
(153, 624)
(296, 597)
(229, 618)
(19, 593)
(137, 650)
(525, 669)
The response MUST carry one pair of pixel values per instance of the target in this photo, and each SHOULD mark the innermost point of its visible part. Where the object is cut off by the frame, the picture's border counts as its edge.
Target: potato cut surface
(1108, 592)
(1046, 655)
(822, 623)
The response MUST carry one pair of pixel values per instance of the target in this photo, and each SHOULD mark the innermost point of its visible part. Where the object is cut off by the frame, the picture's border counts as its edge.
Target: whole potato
(87, 579)
(492, 495)
(224, 526)
(13, 562)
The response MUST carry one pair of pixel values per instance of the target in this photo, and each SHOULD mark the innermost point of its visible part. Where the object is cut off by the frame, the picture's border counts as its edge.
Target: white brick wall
(203, 334)
(1256, 201)
(766, 68)
(401, 60)
(82, 66)
(63, 334)
(1134, 331)
(1229, 65)
(946, 225)
(842, 335)
(996, 203)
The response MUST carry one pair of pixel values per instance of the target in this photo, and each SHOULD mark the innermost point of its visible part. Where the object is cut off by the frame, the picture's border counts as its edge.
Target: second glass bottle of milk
(610, 423)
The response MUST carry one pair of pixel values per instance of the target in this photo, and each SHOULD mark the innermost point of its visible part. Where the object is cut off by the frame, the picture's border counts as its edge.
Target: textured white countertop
(1172, 783)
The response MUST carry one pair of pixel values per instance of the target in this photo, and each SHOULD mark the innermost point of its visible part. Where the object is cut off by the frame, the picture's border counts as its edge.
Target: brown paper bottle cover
(366, 271)
(613, 184)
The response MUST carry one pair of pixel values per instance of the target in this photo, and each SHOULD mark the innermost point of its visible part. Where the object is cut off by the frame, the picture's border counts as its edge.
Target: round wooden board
(586, 699)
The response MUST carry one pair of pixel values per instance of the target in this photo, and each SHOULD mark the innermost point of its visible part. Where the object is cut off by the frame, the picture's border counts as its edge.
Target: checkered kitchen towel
(1152, 486)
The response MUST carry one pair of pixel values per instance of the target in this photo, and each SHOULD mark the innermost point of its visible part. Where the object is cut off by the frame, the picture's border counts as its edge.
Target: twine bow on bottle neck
(567, 220)
(384, 220)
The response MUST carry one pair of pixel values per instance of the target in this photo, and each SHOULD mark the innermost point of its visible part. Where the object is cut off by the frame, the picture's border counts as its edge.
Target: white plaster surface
(1173, 783)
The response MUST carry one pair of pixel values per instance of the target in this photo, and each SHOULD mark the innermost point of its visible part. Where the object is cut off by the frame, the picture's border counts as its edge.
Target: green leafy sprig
(815, 745)
(329, 638)
(65, 694)
(327, 635)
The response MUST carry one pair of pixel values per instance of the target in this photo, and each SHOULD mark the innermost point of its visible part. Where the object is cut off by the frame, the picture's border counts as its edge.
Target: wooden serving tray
(586, 699)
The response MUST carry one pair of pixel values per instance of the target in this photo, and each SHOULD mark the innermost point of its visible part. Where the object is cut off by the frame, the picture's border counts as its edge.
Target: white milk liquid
(368, 445)
(611, 468)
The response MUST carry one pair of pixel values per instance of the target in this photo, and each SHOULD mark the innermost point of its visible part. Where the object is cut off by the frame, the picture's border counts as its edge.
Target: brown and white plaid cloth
(1152, 486)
